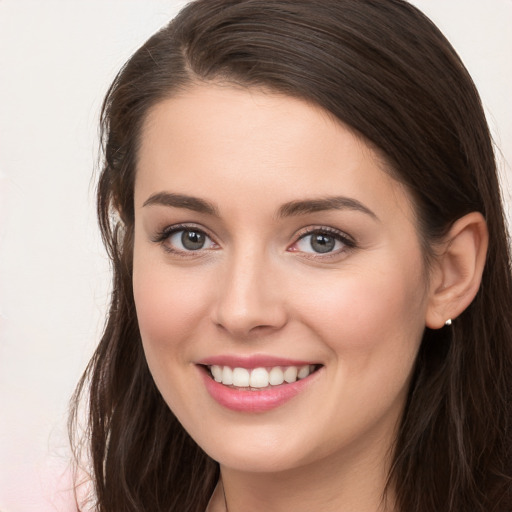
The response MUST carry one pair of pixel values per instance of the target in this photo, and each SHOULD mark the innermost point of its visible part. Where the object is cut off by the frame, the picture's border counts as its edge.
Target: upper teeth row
(259, 377)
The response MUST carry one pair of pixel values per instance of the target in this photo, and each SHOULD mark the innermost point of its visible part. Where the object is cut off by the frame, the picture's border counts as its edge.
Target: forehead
(250, 142)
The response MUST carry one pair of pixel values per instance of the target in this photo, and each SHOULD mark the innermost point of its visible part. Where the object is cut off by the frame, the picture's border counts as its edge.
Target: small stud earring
(448, 322)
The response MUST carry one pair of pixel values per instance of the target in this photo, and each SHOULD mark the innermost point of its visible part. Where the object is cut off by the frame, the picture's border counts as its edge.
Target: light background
(56, 62)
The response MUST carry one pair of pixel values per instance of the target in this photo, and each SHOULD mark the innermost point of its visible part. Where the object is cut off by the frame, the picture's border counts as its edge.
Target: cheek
(372, 323)
(170, 305)
(376, 313)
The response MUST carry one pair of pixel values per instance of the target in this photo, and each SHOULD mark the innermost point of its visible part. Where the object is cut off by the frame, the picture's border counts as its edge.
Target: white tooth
(276, 376)
(303, 372)
(311, 368)
(216, 372)
(240, 377)
(290, 374)
(227, 376)
(259, 378)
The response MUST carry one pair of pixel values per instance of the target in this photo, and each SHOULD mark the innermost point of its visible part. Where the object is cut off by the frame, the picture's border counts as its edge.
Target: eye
(322, 241)
(188, 240)
(184, 239)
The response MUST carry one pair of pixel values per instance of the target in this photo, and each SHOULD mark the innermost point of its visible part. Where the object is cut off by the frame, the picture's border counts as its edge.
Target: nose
(250, 300)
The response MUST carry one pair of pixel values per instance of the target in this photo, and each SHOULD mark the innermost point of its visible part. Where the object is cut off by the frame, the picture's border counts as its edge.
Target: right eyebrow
(182, 201)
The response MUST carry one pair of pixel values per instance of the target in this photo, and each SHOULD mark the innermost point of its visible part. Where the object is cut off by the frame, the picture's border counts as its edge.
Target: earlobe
(458, 270)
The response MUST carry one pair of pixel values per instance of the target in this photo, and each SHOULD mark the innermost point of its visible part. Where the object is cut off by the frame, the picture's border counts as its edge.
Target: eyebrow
(293, 208)
(182, 201)
(302, 207)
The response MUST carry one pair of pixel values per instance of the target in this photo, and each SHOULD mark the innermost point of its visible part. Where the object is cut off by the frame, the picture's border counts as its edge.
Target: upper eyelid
(324, 229)
(173, 228)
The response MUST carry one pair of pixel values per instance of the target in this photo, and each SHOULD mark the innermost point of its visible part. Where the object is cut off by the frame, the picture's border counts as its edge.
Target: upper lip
(249, 362)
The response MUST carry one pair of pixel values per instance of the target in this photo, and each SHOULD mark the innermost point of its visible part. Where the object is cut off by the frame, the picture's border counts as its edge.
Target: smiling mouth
(257, 379)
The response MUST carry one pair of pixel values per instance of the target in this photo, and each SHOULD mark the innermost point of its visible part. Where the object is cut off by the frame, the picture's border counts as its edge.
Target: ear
(457, 273)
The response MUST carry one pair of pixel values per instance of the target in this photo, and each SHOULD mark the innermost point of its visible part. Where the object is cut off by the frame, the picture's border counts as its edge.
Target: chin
(258, 461)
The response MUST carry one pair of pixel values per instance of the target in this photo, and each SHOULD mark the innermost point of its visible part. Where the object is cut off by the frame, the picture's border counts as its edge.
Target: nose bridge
(249, 298)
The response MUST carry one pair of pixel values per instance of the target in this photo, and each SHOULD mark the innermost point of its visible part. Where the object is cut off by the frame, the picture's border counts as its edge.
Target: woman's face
(269, 242)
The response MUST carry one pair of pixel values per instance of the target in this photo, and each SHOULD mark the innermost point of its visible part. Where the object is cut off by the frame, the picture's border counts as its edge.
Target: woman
(312, 288)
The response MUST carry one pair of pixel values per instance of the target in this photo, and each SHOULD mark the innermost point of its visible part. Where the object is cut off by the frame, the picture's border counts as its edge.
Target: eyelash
(163, 236)
(348, 243)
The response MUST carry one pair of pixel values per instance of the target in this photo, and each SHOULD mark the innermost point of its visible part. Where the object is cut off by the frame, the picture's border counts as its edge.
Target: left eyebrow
(302, 207)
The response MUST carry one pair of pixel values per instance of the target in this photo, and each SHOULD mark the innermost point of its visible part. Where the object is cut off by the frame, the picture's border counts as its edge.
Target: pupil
(322, 243)
(192, 240)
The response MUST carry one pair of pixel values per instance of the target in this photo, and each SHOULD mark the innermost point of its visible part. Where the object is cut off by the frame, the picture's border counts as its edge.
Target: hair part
(384, 70)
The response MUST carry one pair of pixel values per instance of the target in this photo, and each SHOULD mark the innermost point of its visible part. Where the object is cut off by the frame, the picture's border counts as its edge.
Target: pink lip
(250, 362)
(245, 400)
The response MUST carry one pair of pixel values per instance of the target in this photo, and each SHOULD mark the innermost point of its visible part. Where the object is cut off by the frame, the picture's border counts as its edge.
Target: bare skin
(297, 245)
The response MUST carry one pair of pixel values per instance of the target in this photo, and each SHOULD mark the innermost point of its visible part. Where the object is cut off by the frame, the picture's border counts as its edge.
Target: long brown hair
(382, 68)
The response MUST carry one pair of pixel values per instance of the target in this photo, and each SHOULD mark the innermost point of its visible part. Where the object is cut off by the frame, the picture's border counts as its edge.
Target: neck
(330, 485)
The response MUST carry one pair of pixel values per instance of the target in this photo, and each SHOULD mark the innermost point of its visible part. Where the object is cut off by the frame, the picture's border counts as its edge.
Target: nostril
(243, 328)
(247, 306)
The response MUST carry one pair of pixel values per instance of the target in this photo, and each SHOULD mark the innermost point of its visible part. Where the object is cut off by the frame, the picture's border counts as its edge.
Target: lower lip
(243, 400)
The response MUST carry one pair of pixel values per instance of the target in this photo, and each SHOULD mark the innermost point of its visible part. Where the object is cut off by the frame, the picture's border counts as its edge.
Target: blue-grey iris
(321, 242)
(193, 240)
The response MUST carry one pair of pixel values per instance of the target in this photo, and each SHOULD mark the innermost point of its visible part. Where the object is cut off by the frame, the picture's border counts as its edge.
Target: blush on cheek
(161, 315)
(170, 305)
(367, 310)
